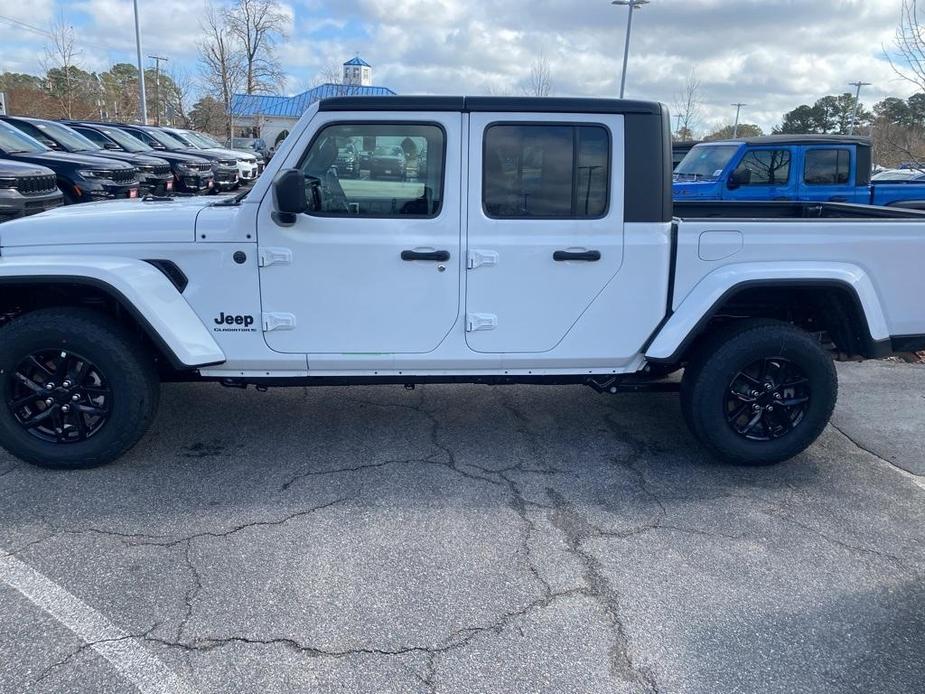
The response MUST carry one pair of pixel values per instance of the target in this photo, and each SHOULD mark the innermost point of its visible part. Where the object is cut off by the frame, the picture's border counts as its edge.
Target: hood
(51, 158)
(133, 159)
(232, 154)
(696, 190)
(19, 168)
(108, 221)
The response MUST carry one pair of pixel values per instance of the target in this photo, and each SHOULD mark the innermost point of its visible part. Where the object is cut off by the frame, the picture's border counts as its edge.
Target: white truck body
(325, 296)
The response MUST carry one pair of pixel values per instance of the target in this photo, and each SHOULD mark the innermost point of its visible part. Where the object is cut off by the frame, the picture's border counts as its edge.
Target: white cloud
(771, 54)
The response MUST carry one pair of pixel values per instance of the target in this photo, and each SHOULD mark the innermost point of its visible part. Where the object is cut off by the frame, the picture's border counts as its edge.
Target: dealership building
(271, 117)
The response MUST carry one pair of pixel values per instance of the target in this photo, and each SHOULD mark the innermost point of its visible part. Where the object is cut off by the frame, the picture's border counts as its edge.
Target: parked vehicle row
(92, 161)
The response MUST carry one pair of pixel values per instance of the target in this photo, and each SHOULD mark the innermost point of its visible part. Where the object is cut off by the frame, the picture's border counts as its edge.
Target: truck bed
(785, 209)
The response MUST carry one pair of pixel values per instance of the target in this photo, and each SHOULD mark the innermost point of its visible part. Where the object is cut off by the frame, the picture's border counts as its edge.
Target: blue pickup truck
(827, 168)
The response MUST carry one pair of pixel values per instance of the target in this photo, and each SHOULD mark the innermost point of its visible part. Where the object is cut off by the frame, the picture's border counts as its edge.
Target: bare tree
(687, 107)
(59, 65)
(258, 25)
(221, 59)
(909, 42)
(540, 77)
(178, 88)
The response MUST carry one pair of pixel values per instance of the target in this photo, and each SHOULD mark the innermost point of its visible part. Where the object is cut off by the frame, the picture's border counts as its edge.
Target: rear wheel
(759, 392)
(78, 390)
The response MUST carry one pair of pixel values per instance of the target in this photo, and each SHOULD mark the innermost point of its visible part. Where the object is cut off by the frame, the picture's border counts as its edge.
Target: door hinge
(477, 258)
(278, 321)
(481, 321)
(273, 256)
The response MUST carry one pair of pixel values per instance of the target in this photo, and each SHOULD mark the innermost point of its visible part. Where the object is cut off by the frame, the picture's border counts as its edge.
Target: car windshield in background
(12, 141)
(197, 140)
(127, 142)
(898, 176)
(70, 139)
(168, 141)
(243, 142)
(206, 140)
(705, 162)
(186, 138)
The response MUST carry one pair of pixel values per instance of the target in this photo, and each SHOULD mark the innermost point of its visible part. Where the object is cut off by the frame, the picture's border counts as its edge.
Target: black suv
(81, 177)
(191, 174)
(224, 168)
(154, 174)
(26, 189)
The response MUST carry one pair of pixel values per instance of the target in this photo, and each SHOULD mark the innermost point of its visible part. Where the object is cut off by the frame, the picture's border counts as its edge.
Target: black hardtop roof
(494, 104)
(796, 140)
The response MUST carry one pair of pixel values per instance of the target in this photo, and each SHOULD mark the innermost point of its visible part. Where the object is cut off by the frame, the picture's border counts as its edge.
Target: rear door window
(827, 167)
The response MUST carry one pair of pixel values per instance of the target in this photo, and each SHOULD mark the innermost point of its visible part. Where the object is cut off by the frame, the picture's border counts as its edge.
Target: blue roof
(244, 105)
(358, 61)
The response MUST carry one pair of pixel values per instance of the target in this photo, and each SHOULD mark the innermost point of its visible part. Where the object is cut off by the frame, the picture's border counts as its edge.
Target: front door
(764, 174)
(545, 225)
(376, 268)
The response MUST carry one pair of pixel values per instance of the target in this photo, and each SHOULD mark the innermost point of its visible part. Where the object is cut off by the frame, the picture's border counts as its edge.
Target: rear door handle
(439, 256)
(587, 256)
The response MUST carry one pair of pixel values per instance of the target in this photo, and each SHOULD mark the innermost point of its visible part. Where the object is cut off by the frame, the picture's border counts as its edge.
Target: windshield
(127, 142)
(898, 175)
(186, 138)
(12, 141)
(204, 140)
(68, 138)
(388, 152)
(242, 142)
(168, 141)
(705, 162)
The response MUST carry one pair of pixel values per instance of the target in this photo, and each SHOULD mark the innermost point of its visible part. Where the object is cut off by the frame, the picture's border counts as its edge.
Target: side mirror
(289, 197)
(739, 177)
(111, 145)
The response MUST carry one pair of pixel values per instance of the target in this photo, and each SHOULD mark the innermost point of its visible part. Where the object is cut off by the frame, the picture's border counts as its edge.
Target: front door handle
(438, 256)
(587, 256)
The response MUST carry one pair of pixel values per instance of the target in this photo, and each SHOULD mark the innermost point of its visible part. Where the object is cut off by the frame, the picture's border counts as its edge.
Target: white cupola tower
(358, 73)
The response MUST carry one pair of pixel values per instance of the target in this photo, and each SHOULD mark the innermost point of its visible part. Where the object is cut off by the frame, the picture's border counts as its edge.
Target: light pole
(142, 100)
(157, 87)
(735, 128)
(857, 104)
(631, 5)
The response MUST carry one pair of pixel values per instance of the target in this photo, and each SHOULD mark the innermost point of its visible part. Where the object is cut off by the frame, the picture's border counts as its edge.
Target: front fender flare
(696, 309)
(138, 287)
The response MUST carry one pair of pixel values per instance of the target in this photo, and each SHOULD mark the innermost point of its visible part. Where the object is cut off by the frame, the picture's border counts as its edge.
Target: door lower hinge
(481, 321)
(273, 256)
(477, 258)
(278, 321)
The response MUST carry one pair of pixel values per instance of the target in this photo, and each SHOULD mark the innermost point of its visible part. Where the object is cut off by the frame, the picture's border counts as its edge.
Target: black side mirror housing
(739, 177)
(111, 145)
(289, 198)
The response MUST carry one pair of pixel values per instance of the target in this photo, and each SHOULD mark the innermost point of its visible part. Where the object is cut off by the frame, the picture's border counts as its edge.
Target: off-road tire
(722, 357)
(125, 361)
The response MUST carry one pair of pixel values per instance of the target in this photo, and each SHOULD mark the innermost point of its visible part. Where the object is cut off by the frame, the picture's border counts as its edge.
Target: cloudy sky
(769, 54)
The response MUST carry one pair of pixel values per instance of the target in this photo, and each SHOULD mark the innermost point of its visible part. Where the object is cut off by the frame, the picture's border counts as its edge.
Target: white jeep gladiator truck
(513, 240)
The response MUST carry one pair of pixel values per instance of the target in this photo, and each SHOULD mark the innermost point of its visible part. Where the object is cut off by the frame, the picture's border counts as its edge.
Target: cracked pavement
(476, 539)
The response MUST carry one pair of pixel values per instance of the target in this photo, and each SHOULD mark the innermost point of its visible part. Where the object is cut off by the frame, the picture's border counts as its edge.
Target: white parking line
(126, 653)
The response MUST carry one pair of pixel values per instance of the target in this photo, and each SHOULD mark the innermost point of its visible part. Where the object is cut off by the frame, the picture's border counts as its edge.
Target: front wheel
(759, 392)
(77, 389)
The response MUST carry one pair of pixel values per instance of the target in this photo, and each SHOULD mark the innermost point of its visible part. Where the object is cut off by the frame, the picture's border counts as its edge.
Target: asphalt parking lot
(470, 539)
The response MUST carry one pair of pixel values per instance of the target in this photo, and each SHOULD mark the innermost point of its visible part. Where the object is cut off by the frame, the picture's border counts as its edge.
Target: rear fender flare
(699, 306)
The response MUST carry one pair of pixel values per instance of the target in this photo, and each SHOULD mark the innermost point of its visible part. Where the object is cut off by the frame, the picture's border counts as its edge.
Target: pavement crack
(917, 479)
(167, 541)
(576, 529)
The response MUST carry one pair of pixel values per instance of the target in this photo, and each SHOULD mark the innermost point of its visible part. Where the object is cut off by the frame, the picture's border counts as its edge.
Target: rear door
(828, 174)
(545, 225)
(765, 173)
